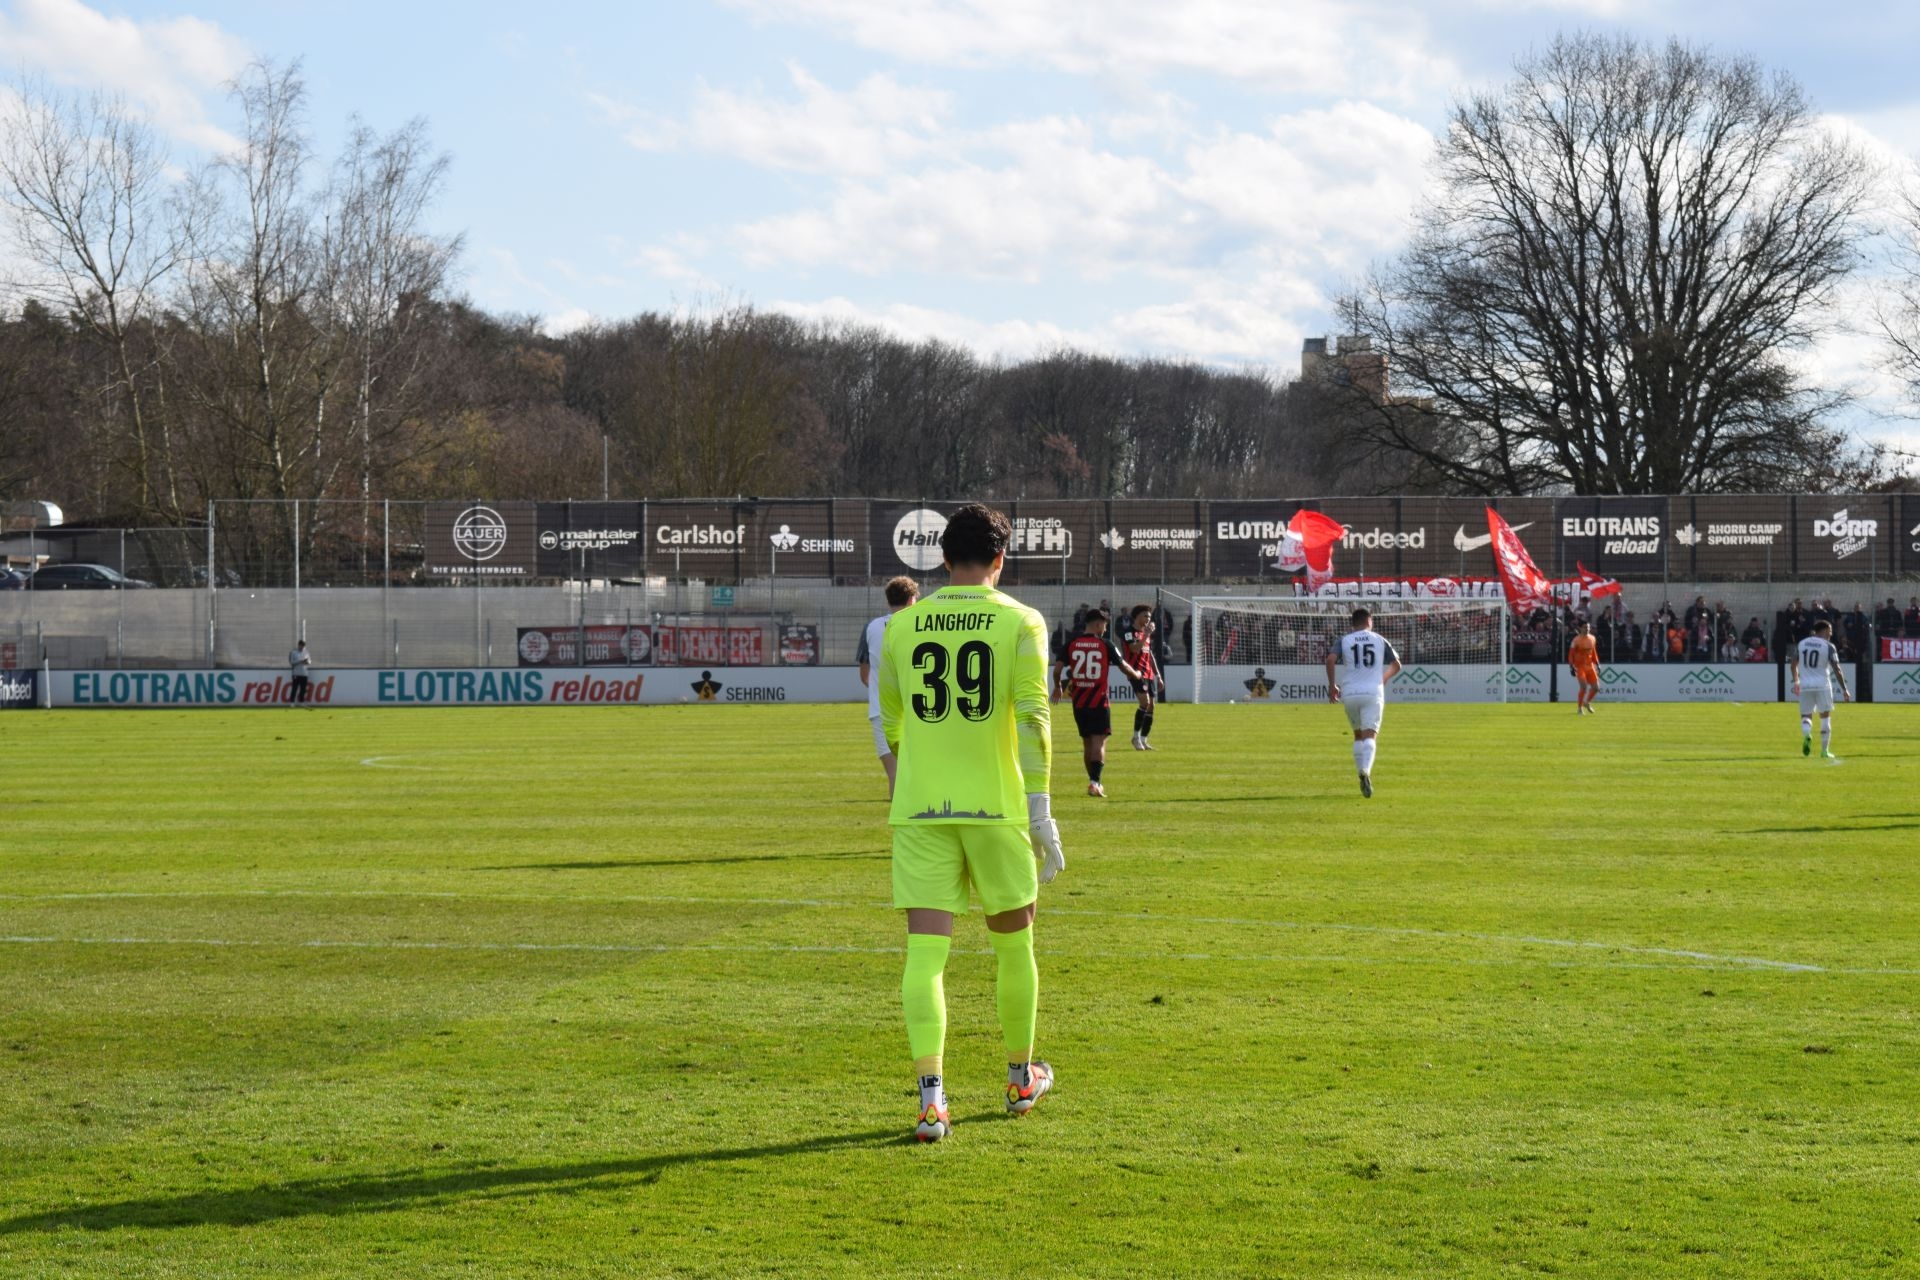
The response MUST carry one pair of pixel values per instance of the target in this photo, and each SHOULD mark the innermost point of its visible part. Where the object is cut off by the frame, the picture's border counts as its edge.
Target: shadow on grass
(1836, 828)
(390, 1192)
(617, 863)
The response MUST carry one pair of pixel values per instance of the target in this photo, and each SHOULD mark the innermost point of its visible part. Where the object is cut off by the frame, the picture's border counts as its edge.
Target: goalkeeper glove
(1045, 834)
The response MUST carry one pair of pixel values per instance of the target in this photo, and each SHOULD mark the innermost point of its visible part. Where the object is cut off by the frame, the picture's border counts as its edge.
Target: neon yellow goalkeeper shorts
(933, 864)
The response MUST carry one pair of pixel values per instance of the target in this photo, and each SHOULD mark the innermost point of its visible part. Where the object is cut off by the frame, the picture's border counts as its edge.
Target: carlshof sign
(703, 537)
(1625, 535)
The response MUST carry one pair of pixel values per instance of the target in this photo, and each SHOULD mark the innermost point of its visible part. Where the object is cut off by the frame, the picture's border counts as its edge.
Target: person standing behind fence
(299, 663)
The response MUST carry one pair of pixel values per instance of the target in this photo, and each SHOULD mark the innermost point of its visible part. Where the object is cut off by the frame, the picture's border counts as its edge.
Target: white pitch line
(378, 762)
(1440, 935)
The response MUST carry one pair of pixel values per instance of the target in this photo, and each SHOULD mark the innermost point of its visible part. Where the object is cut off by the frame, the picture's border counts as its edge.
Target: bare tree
(1626, 244)
(377, 264)
(94, 219)
(252, 280)
(1899, 307)
(723, 410)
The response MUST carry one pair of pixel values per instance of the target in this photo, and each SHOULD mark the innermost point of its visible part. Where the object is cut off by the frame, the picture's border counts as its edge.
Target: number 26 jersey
(963, 700)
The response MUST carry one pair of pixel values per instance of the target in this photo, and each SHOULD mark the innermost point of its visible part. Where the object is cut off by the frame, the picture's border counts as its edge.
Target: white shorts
(1816, 701)
(879, 738)
(1364, 712)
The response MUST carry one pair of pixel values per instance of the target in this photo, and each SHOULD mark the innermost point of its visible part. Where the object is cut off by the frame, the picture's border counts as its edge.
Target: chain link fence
(759, 582)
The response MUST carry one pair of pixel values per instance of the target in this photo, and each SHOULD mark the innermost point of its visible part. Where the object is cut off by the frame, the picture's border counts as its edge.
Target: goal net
(1257, 649)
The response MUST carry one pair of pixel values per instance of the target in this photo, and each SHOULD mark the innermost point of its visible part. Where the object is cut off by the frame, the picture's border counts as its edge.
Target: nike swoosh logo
(1462, 541)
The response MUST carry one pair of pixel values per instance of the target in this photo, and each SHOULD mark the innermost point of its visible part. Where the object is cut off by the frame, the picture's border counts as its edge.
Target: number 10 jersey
(963, 702)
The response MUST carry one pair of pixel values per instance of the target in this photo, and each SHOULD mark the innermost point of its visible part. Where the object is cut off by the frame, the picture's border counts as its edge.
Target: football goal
(1274, 649)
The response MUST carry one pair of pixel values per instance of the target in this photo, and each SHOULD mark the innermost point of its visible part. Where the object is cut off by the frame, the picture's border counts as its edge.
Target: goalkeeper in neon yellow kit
(963, 705)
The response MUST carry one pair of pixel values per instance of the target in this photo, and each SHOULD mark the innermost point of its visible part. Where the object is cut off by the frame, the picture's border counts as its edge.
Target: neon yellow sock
(1016, 990)
(924, 996)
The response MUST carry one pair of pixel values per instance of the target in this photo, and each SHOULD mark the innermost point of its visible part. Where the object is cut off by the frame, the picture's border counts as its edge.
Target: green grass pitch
(615, 993)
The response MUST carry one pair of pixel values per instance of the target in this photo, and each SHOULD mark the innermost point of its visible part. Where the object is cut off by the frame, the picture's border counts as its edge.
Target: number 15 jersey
(1363, 658)
(963, 702)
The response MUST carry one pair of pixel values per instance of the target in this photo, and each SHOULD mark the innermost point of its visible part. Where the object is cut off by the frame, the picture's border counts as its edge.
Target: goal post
(1254, 649)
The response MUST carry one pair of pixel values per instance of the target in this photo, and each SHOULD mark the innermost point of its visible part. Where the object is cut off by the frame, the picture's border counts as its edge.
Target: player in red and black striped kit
(1146, 684)
(1083, 670)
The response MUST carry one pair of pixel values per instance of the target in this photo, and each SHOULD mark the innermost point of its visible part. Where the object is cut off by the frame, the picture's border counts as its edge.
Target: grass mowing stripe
(1690, 959)
(1051, 911)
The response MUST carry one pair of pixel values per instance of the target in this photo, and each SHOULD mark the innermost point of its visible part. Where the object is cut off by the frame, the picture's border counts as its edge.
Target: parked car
(80, 577)
(12, 579)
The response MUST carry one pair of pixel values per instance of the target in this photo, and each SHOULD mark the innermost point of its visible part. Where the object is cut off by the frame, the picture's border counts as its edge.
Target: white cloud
(559, 314)
(877, 124)
(1296, 48)
(172, 66)
(671, 265)
(1343, 179)
(1011, 339)
(1044, 199)
(558, 324)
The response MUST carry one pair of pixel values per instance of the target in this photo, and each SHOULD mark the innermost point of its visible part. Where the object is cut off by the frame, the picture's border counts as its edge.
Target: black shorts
(1142, 686)
(1094, 722)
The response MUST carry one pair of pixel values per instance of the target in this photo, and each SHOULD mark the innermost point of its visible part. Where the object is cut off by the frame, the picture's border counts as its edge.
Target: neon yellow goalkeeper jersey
(963, 704)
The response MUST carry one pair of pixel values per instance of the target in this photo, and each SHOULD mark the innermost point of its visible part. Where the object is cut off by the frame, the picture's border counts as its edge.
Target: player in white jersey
(1816, 668)
(1366, 663)
(901, 592)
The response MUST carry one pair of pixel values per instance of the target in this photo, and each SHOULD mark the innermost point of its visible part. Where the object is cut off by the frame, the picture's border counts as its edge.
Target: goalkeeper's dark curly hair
(976, 536)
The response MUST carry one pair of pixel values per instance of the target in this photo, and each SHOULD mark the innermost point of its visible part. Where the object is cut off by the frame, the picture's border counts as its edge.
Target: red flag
(1527, 588)
(1593, 585)
(1308, 544)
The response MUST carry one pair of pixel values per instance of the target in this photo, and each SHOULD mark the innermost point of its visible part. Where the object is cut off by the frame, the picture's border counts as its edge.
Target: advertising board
(799, 645)
(590, 539)
(1307, 683)
(604, 646)
(459, 687)
(1896, 684)
(19, 690)
(1692, 682)
(482, 539)
(906, 536)
(1153, 541)
(1900, 648)
(710, 645)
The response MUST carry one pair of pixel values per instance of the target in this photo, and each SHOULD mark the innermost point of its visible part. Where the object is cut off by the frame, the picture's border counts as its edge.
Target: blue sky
(1194, 180)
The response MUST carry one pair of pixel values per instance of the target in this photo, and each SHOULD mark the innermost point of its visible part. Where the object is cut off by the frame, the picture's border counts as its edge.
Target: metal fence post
(213, 632)
(33, 567)
(386, 562)
(296, 568)
(120, 618)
